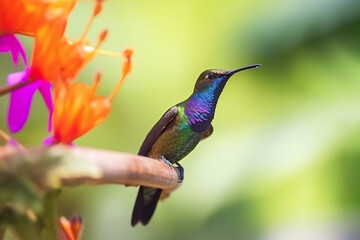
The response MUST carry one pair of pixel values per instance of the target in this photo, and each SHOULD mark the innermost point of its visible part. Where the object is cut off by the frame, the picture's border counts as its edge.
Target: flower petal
(9, 43)
(45, 90)
(48, 141)
(20, 100)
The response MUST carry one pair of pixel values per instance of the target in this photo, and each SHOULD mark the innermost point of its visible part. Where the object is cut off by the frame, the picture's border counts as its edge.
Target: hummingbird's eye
(211, 76)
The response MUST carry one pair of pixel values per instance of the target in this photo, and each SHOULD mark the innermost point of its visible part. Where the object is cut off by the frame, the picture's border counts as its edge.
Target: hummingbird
(178, 132)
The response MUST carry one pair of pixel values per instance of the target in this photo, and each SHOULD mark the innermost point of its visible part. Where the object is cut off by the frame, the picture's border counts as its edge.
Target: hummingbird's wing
(147, 198)
(157, 130)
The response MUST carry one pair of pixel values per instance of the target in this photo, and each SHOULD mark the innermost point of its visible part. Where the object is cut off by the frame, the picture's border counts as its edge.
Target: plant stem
(49, 219)
(7, 89)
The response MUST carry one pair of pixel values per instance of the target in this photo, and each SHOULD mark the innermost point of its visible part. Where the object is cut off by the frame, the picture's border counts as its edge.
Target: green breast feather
(177, 140)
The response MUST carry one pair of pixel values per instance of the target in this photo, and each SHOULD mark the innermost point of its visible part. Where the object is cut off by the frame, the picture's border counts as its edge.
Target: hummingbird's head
(217, 76)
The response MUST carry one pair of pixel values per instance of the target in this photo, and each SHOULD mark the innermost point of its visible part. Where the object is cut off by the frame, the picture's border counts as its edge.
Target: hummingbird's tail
(145, 205)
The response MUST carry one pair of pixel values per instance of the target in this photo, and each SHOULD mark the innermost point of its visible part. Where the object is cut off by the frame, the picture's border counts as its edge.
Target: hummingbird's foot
(181, 171)
(167, 162)
(179, 167)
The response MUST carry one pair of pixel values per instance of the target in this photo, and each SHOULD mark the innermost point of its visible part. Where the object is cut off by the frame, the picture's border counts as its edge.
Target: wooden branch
(106, 167)
(123, 168)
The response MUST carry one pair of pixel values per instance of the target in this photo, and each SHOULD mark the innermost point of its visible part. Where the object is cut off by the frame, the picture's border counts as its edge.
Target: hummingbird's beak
(231, 72)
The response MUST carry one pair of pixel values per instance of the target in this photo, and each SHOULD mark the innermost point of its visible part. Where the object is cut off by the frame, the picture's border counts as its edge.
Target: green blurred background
(284, 160)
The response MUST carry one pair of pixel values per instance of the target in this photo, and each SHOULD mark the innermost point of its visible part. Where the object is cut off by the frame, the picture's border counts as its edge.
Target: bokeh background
(283, 162)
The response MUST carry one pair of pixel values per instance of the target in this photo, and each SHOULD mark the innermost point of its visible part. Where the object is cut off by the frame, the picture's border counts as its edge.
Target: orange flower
(25, 16)
(77, 109)
(56, 56)
(70, 230)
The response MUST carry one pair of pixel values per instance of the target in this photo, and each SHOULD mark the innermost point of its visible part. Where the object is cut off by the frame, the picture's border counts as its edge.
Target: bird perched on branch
(178, 132)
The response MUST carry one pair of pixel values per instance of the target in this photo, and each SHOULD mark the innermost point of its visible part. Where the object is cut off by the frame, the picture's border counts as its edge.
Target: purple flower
(20, 99)
(9, 43)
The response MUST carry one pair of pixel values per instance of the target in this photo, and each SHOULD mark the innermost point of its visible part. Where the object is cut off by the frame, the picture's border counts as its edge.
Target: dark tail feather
(143, 210)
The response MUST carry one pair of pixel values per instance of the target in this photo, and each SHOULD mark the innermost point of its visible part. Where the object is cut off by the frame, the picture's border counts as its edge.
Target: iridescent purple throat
(200, 107)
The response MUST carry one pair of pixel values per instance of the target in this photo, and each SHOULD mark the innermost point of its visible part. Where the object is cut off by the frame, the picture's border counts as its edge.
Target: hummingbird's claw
(181, 171)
